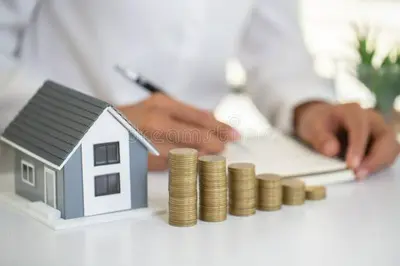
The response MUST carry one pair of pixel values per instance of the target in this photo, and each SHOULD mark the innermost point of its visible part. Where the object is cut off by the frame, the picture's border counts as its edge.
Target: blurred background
(356, 49)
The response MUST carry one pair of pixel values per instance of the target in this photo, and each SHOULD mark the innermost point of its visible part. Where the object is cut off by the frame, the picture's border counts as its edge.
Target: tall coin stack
(182, 187)
(242, 191)
(213, 188)
(293, 192)
(269, 192)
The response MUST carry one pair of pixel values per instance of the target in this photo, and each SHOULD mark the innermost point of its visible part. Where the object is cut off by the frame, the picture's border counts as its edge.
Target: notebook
(283, 155)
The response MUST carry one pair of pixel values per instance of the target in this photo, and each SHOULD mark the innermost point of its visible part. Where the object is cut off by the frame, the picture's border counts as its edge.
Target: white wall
(105, 129)
(330, 38)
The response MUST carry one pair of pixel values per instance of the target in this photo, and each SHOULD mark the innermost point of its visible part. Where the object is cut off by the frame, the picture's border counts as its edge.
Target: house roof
(54, 121)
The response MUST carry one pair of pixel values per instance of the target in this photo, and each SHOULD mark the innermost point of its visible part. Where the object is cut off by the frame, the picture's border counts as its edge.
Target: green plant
(366, 48)
(379, 73)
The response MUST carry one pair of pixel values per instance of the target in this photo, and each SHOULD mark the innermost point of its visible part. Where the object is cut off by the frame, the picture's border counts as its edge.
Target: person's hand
(171, 124)
(371, 143)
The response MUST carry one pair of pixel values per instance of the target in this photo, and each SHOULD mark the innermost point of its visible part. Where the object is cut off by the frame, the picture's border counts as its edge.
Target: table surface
(358, 224)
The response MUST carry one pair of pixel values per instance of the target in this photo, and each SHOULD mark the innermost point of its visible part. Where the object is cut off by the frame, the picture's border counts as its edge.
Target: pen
(138, 79)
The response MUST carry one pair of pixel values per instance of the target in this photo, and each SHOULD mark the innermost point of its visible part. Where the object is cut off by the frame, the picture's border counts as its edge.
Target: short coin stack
(242, 191)
(182, 187)
(293, 192)
(315, 193)
(213, 188)
(269, 192)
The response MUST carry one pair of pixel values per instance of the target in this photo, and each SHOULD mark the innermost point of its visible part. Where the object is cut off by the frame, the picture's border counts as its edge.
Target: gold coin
(238, 185)
(216, 209)
(206, 180)
(182, 208)
(270, 201)
(269, 180)
(213, 195)
(242, 194)
(315, 192)
(183, 224)
(242, 212)
(240, 176)
(182, 194)
(183, 152)
(212, 159)
(293, 184)
(182, 163)
(189, 191)
(214, 199)
(182, 217)
(293, 202)
(269, 192)
(269, 208)
(242, 205)
(182, 182)
(214, 204)
(213, 183)
(212, 174)
(183, 201)
(213, 189)
(213, 217)
(241, 166)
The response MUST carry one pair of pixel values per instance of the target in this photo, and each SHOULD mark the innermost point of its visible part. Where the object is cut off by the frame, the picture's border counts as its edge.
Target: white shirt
(181, 45)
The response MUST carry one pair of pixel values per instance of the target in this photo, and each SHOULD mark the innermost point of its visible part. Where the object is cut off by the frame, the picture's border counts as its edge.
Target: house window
(106, 184)
(28, 173)
(106, 153)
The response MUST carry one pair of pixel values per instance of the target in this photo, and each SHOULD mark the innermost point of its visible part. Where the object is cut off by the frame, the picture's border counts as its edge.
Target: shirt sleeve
(280, 72)
(18, 81)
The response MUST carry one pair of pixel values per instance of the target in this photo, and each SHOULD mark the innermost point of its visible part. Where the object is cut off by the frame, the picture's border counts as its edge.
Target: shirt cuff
(284, 119)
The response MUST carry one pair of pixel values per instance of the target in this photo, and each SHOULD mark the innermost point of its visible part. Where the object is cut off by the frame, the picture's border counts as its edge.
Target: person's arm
(18, 81)
(280, 70)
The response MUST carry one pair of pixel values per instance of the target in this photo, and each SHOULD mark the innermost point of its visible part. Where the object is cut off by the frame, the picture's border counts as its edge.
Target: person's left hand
(319, 124)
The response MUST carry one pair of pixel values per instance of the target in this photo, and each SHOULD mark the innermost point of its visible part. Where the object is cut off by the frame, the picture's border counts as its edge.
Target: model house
(78, 154)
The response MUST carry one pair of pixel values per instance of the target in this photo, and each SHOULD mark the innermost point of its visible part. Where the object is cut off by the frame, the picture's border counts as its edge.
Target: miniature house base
(51, 217)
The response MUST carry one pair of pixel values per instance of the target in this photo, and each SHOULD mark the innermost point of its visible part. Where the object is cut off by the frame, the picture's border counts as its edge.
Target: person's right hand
(171, 124)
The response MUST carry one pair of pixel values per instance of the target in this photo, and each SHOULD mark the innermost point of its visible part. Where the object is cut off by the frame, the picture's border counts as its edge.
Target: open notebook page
(280, 154)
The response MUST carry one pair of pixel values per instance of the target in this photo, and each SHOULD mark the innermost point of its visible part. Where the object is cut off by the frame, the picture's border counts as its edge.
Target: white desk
(359, 224)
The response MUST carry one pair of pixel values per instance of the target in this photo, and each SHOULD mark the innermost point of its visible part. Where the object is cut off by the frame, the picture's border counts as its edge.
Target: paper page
(280, 154)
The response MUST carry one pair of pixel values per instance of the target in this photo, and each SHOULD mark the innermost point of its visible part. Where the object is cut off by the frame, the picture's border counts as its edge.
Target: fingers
(189, 136)
(355, 121)
(160, 163)
(170, 124)
(163, 129)
(384, 149)
(205, 119)
(322, 139)
(366, 132)
(157, 163)
(383, 152)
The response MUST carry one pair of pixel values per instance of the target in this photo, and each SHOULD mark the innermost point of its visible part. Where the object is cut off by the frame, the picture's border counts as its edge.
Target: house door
(50, 187)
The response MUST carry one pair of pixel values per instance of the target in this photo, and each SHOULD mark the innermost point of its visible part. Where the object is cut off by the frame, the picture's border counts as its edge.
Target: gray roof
(55, 120)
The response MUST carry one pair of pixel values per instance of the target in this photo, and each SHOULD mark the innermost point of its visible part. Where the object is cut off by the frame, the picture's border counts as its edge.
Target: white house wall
(105, 129)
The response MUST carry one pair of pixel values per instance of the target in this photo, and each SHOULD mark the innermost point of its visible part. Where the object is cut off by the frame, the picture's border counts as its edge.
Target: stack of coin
(242, 191)
(269, 192)
(256, 186)
(293, 192)
(182, 187)
(213, 188)
(315, 193)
